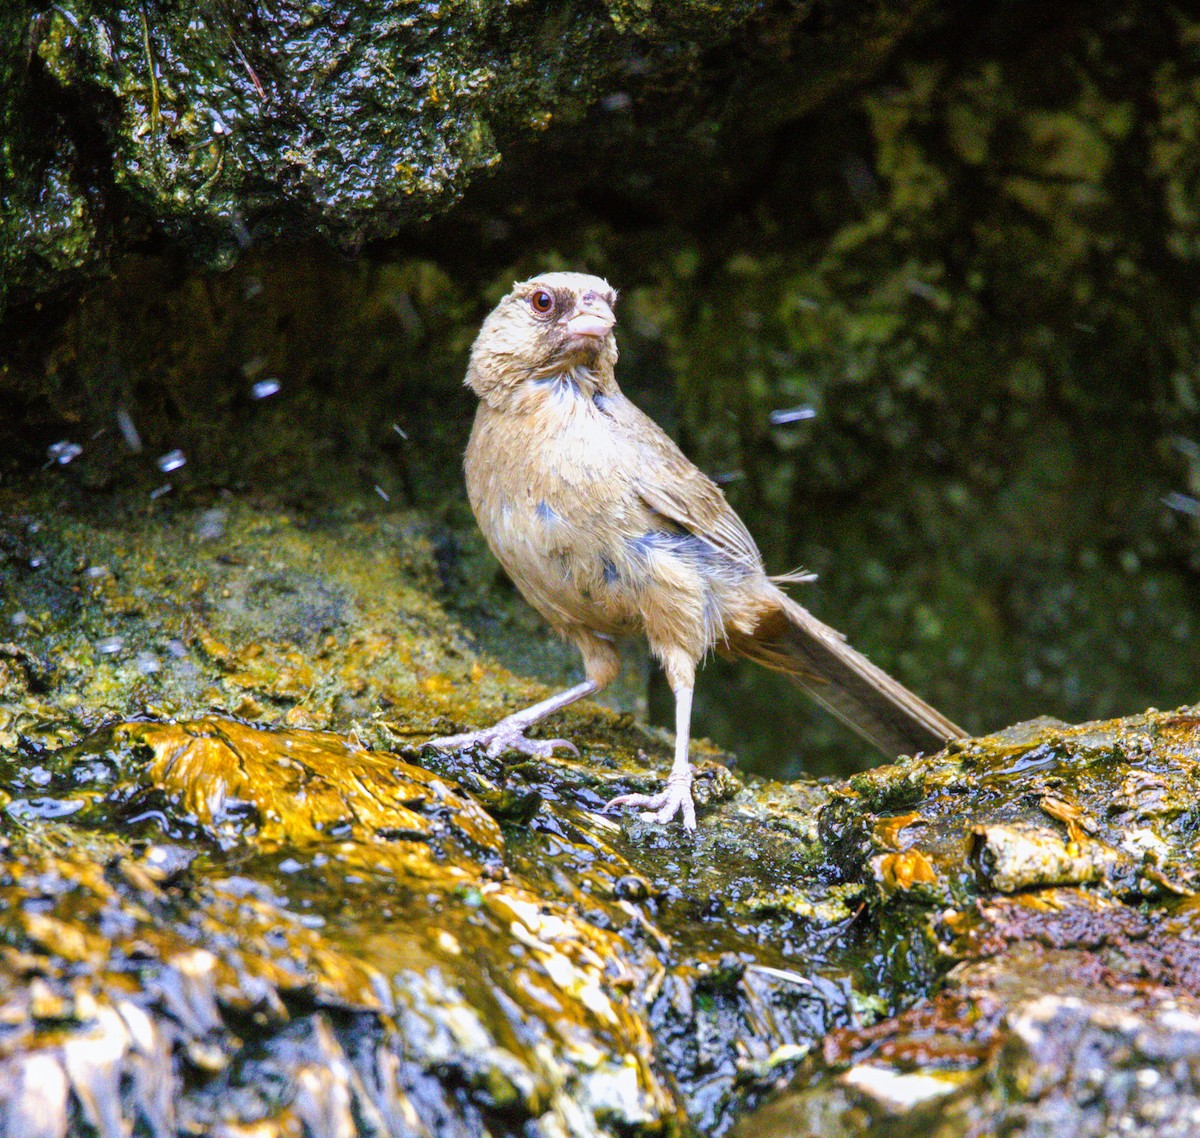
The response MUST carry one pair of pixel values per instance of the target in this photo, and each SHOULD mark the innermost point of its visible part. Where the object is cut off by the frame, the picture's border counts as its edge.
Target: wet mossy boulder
(1057, 869)
(219, 125)
(239, 896)
(600, 997)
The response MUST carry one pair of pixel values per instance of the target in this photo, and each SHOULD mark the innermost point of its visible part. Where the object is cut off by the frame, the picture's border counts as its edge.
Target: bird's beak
(595, 319)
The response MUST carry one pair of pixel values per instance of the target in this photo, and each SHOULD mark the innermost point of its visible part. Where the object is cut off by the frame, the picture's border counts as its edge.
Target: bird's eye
(542, 302)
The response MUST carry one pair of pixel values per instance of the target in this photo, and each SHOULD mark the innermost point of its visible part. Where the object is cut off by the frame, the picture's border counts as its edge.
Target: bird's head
(554, 324)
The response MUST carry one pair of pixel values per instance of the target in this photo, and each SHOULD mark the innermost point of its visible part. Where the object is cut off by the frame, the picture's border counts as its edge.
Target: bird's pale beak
(596, 320)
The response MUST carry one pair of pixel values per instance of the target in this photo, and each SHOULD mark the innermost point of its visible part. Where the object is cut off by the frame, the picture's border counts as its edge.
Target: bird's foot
(507, 735)
(675, 798)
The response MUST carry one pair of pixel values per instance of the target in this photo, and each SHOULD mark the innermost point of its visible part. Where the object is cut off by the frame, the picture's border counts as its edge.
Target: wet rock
(235, 893)
(1023, 857)
(1066, 1009)
(218, 964)
(222, 128)
(1095, 1035)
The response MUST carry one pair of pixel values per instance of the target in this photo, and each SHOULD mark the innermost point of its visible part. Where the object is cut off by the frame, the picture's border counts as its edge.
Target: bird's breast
(556, 498)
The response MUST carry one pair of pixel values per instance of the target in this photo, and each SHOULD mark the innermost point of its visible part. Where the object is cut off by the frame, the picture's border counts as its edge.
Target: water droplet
(110, 645)
(1189, 448)
(129, 431)
(159, 491)
(63, 452)
(402, 433)
(172, 460)
(382, 493)
(1182, 503)
(265, 388)
(793, 414)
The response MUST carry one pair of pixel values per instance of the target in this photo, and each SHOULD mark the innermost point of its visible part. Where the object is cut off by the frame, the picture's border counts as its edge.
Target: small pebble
(211, 524)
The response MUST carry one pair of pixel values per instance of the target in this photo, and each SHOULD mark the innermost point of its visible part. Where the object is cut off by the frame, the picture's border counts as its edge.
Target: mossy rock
(239, 894)
(220, 127)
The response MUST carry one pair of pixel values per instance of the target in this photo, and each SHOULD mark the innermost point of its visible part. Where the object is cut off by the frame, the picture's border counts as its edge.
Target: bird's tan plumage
(607, 528)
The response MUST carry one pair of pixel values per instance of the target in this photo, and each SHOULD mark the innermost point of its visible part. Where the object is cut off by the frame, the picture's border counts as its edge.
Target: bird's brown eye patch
(542, 302)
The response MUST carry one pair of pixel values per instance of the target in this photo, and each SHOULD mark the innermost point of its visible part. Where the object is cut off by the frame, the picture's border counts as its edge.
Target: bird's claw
(675, 798)
(501, 737)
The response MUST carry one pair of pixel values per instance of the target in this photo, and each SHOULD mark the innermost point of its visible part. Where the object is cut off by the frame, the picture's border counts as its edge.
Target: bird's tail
(790, 639)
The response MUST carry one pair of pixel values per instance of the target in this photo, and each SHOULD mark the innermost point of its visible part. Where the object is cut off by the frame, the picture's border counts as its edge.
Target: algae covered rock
(220, 913)
(220, 125)
(289, 909)
(1062, 877)
(238, 897)
(305, 928)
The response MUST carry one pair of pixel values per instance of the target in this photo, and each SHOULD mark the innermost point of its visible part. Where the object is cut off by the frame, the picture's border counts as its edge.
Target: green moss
(348, 122)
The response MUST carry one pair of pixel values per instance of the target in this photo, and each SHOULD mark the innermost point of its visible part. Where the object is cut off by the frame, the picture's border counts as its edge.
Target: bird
(607, 529)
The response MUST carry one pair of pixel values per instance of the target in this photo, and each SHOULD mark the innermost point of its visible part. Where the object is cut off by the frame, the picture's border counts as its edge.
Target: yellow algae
(899, 872)
(887, 831)
(1078, 825)
(304, 785)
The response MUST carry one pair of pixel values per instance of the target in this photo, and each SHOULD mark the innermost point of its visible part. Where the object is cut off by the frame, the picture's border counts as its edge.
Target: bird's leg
(676, 797)
(509, 733)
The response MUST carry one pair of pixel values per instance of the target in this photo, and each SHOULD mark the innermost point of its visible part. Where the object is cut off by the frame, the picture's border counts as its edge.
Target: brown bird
(607, 529)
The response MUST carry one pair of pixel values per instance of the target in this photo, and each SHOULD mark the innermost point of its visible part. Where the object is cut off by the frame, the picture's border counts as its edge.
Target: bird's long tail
(790, 639)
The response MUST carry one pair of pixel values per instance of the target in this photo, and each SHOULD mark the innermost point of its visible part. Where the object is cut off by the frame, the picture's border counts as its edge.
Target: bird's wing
(671, 485)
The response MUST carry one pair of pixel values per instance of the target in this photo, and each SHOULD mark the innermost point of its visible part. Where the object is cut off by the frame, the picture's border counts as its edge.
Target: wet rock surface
(219, 125)
(306, 927)
(1065, 860)
(238, 897)
(1084, 1023)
